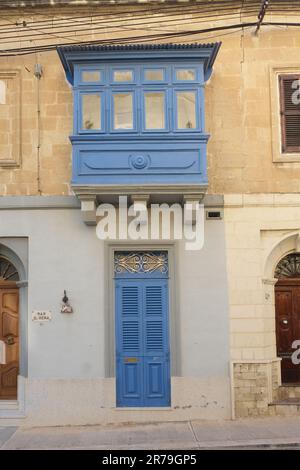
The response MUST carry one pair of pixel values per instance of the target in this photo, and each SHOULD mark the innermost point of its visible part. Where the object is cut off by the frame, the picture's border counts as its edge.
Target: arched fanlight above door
(7, 270)
(288, 267)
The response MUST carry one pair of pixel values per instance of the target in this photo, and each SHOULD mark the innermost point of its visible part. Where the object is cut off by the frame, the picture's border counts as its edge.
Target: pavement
(270, 433)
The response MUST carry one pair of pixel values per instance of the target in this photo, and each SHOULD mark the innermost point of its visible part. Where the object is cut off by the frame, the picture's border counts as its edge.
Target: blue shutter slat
(129, 374)
(154, 300)
(154, 336)
(156, 346)
(143, 369)
(130, 300)
(131, 337)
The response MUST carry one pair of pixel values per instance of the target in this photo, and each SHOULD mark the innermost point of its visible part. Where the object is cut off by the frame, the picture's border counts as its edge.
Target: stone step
(289, 391)
(286, 407)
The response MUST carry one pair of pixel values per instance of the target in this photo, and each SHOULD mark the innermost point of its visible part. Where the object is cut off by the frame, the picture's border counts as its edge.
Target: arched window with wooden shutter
(290, 112)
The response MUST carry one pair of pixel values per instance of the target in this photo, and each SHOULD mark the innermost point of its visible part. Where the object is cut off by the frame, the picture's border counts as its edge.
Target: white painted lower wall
(65, 360)
(92, 401)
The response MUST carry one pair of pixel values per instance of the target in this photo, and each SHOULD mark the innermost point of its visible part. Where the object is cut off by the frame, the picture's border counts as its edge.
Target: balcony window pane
(123, 76)
(185, 74)
(186, 110)
(154, 75)
(155, 110)
(91, 111)
(123, 111)
(91, 76)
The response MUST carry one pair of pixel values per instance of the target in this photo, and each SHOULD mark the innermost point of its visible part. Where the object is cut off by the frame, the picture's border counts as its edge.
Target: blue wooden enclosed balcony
(139, 117)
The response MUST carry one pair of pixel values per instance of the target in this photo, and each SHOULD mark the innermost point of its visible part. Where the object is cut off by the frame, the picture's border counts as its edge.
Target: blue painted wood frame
(204, 54)
(90, 68)
(187, 66)
(123, 68)
(135, 106)
(166, 92)
(166, 75)
(142, 339)
(198, 112)
(171, 155)
(78, 117)
(114, 161)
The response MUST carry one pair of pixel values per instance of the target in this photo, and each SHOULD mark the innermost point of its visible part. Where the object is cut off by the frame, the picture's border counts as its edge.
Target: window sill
(287, 158)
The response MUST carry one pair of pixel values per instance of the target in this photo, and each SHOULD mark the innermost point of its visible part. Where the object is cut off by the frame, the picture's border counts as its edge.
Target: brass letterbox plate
(131, 359)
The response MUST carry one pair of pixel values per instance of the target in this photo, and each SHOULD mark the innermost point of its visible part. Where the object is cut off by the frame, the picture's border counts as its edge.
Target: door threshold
(11, 409)
(141, 408)
(9, 404)
(292, 384)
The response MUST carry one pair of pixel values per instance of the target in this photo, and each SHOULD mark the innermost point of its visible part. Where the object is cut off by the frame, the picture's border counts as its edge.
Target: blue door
(142, 332)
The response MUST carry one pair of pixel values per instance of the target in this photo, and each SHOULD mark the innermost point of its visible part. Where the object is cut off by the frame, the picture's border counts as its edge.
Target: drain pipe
(38, 71)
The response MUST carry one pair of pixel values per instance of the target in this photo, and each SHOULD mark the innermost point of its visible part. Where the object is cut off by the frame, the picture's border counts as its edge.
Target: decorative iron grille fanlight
(289, 266)
(141, 262)
(7, 270)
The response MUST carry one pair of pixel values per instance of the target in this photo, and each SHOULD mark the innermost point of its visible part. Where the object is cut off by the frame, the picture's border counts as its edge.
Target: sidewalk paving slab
(5, 433)
(246, 433)
(102, 436)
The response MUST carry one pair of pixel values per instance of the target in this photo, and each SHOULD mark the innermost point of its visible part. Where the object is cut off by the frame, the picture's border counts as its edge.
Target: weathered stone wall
(255, 387)
(239, 103)
(260, 230)
(46, 123)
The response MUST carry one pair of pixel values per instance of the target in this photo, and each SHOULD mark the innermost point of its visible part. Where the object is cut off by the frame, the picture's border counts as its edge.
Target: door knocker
(9, 340)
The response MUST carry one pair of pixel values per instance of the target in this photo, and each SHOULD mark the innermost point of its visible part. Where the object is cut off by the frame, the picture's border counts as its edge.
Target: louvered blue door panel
(143, 369)
(129, 370)
(156, 344)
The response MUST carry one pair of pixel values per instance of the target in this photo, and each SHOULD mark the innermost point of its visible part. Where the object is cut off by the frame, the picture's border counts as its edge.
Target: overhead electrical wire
(140, 14)
(92, 21)
(62, 22)
(149, 8)
(123, 40)
(93, 27)
(158, 12)
(26, 33)
(189, 9)
(41, 30)
(94, 24)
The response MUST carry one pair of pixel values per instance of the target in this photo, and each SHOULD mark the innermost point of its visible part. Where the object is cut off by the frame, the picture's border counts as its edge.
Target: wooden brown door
(9, 333)
(287, 302)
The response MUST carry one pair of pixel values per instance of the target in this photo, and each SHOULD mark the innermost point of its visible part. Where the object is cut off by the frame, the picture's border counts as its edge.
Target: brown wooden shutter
(290, 113)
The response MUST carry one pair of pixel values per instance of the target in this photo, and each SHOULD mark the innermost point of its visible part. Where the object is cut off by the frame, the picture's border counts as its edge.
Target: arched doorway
(9, 329)
(287, 305)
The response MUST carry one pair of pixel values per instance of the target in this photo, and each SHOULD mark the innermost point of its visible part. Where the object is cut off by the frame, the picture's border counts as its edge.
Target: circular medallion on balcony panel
(139, 162)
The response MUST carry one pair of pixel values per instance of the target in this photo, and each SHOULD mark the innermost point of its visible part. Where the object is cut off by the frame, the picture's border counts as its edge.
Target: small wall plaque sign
(41, 315)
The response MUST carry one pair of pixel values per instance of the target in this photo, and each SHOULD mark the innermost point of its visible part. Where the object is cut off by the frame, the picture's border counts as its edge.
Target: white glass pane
(123, 111)
(123, 76)
(91, 111)
(91, 76)
(186, 110)
(155, 110)
(185, 74)
(154, 75)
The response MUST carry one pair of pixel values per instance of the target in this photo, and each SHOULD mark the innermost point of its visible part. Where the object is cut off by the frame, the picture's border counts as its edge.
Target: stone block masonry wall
(46, 123)
(255, 387)
(260, 230)
(238, 105)
(276, 379)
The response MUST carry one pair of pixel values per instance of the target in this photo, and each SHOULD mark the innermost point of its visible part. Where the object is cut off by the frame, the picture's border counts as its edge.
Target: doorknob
(10, 340)
(285, 322)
